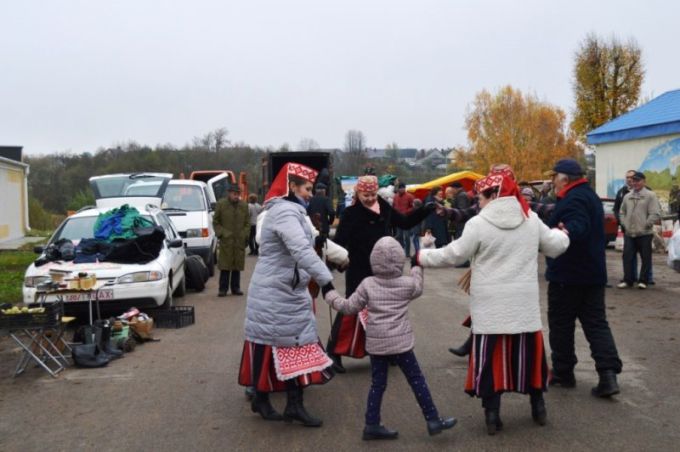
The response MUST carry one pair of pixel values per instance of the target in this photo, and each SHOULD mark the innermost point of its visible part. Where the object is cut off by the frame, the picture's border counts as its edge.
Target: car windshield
(148, 185)
(183, 197)
(80, 228)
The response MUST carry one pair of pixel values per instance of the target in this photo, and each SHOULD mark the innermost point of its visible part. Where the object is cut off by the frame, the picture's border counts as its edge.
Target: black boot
(261, 404)
(295, 410)
(464, 349)
(103, 340)
(337, 364)
(438, 425)
(378, 432)
(607, 386)
(538, 411)
(493, 421)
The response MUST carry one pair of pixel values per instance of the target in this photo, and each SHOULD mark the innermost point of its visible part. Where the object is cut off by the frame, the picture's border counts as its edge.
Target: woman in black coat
(361, 226)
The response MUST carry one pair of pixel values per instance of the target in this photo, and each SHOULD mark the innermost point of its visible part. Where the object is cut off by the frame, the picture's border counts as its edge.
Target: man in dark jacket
(577, 282)
(320, 210)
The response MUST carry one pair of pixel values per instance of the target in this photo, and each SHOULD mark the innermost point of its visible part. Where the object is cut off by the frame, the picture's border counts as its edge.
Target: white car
(144, 285)
(189, 204)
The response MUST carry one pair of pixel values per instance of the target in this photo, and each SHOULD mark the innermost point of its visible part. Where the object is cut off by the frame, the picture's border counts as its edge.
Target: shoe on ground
(222, 294)
(623, 285)
(538, 412)
(436, 426)
(378, 432)
(337, 364)
(236, 292)
(566, 381)
(642, 285)
(607, 385)
(492, 418)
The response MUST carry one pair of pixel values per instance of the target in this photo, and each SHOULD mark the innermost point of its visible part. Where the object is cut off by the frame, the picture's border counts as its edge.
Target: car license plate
(74, 297)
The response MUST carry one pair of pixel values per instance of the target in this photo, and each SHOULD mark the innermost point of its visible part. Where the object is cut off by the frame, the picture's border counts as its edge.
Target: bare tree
(355, 151)
(307, 144)
(220, 138)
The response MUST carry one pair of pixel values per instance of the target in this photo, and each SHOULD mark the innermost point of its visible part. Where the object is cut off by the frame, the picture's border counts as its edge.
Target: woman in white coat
(502, 244)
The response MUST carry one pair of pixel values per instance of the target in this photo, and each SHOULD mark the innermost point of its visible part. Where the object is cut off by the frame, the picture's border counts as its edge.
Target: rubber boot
(261, 404)
(464, 349)
(295, 410)
(86, 355)
(103, 340)
(607, 386)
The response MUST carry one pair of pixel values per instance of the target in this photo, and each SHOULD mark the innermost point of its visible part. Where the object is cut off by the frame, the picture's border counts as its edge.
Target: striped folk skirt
(348, 336)
(258, 369)
(506, 363)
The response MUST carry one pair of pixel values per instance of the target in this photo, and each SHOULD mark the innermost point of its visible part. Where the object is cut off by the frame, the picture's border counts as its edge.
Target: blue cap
(567, 166)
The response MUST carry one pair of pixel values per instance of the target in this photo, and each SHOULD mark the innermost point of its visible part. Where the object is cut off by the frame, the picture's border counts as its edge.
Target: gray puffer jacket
(387, 294)
(279, 308)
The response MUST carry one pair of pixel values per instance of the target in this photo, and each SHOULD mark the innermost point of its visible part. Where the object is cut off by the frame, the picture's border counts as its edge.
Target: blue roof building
(645, 139)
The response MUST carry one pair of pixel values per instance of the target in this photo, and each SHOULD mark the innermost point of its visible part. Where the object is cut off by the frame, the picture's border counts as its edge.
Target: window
(184, 197)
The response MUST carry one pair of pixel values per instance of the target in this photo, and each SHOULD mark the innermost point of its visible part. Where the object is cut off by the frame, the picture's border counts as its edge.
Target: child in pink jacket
(389, 337)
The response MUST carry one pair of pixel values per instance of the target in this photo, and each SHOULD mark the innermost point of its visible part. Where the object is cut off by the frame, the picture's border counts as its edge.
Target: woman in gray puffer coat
(282, 349)
(389, 336)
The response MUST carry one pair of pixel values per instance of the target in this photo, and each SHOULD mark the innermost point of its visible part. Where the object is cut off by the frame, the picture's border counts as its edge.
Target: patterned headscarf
(367, 184)
(503, 179)
(279, 187)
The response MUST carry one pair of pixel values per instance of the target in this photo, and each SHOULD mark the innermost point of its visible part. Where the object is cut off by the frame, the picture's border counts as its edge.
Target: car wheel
(168, 295)
(181, 288)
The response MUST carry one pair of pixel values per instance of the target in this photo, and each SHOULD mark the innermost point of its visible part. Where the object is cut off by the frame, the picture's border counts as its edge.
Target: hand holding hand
(327, 288)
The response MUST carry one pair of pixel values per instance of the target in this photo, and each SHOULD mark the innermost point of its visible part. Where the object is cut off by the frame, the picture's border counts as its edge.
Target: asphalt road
(181, 393)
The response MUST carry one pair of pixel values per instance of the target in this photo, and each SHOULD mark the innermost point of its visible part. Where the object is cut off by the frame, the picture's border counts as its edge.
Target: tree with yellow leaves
(510, 127)
(607, 81)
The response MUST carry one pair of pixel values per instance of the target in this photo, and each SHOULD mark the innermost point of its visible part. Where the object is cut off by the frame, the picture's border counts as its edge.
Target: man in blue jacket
(577, 282)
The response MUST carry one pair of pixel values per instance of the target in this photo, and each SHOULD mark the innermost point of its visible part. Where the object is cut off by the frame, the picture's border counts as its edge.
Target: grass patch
(13, 266)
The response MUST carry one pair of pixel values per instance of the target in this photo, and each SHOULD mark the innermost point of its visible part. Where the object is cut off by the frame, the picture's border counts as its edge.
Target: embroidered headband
(367, 184)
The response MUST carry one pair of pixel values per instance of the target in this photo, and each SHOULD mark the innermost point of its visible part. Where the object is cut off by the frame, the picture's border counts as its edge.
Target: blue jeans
(408, 364)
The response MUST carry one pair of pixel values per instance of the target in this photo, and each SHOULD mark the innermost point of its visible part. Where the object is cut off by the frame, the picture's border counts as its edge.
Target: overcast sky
(78, 75)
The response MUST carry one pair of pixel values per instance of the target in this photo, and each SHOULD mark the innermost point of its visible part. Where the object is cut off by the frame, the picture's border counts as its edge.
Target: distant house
(645, 139)
(432, 159)
(13, 194)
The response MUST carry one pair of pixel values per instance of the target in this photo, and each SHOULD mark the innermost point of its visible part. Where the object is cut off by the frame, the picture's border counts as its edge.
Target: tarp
(466, 178)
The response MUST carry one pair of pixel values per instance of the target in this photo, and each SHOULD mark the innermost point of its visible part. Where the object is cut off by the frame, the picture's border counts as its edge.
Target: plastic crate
(175, 317)
(48, 319)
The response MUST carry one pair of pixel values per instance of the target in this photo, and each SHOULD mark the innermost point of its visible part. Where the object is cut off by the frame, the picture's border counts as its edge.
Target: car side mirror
(213, 205)
(38, 249)
(176, 243)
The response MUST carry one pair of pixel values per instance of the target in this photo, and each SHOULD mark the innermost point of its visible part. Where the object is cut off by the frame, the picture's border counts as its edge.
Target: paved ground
(181, 393)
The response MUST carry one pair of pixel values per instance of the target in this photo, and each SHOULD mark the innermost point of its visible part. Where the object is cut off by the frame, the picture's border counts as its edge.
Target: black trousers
(227, 276)
(494, 402)
(632, 247)
(252, 243)
(566, 303)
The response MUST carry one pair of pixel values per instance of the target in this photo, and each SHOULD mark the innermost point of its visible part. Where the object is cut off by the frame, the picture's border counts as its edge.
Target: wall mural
(662, 170)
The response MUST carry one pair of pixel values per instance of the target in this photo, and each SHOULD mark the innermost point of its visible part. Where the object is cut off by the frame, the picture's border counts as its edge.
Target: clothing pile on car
(121, 235)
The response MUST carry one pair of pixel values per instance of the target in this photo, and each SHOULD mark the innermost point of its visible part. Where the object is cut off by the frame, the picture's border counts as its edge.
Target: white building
(646, 139)
(13, 194)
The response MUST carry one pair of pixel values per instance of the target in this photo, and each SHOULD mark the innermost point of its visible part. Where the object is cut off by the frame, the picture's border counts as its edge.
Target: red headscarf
(504, 181)
(279, 187)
